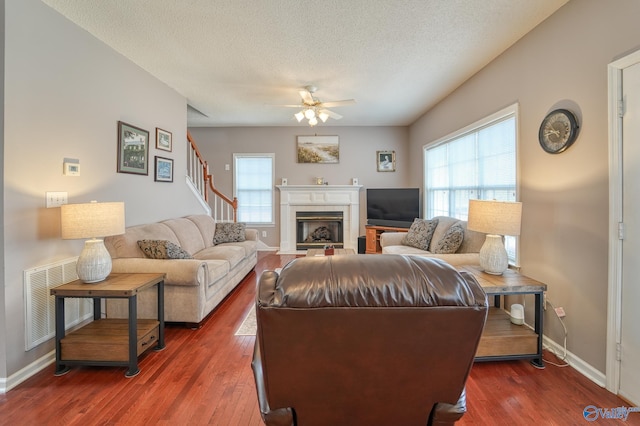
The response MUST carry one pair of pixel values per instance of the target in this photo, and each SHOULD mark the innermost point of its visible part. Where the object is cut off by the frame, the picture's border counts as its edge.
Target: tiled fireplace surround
(316, 198)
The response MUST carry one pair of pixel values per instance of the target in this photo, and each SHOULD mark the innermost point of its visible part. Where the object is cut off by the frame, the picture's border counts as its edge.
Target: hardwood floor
(204, 377)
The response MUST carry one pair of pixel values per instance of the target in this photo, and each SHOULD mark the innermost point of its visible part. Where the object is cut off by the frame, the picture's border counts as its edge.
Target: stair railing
(223, 208)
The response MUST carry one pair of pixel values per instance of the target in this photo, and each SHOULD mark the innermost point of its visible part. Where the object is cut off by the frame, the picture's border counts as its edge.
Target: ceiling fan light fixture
(310, 113)
(323, 116)
(299, 116)
(313, 121)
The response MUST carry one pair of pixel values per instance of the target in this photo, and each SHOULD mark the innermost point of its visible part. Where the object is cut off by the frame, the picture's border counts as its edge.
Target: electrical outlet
(56, 199)
(264, 234)
(560, 312)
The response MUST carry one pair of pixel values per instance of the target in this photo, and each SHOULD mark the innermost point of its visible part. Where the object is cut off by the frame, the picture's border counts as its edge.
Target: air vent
(40, 305)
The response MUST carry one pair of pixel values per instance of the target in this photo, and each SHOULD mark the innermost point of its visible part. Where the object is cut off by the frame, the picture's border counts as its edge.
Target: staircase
(223, 208)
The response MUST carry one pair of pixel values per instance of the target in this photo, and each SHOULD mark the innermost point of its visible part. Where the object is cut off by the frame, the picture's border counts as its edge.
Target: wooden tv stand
(373, 237)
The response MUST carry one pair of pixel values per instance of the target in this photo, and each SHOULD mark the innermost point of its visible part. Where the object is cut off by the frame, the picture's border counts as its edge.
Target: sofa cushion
(230, 253)
(162, 249)
(420, 233)
(188, 234)
(451, 240)
(227, 232)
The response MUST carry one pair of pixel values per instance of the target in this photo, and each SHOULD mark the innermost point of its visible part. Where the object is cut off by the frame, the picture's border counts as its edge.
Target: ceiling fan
(312, 108)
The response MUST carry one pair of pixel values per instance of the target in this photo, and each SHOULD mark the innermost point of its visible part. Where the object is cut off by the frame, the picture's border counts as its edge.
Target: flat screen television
(393, 206)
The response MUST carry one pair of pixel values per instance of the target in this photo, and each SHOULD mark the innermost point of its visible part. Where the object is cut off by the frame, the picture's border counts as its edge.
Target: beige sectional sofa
(466, 254)
(193, 287)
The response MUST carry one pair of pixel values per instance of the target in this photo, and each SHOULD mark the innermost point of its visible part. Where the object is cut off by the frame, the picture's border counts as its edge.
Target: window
(477, 162)
(253, 186)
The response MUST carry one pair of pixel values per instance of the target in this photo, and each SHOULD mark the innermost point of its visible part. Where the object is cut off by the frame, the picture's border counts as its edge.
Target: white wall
(64, 94)
(358, 146)
(561, 63)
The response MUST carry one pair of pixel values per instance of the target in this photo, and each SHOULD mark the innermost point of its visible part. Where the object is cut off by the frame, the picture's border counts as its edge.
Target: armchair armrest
(391, 238)
(251, 234)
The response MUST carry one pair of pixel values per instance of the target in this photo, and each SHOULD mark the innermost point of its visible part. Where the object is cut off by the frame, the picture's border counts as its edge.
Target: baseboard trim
(579, 364)
(6, 384)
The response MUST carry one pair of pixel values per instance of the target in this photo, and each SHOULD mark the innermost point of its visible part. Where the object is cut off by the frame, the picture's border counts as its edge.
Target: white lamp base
(493, 255)
(94, 263)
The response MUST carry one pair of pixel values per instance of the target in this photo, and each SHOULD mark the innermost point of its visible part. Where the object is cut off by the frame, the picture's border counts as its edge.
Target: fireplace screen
(317, 229)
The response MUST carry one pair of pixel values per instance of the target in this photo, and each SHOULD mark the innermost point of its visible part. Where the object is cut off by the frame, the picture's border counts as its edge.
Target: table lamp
(92, 220)
(494, 218)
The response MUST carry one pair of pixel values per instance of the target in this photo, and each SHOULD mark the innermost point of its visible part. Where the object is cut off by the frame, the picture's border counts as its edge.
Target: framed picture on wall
(164, 169)
(133, 149)
(318, 149)
(163, 140)
(386, 161)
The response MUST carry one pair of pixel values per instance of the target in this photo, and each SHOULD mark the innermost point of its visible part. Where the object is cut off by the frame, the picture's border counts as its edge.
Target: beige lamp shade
(495, 217)
(92, 220)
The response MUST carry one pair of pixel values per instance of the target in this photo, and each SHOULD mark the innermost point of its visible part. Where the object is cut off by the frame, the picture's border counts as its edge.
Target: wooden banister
(224, 208)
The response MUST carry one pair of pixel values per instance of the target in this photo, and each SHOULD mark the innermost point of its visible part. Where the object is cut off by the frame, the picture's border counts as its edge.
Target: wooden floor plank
(204, 377)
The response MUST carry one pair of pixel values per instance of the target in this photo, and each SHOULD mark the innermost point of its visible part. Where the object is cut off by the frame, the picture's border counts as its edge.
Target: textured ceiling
(234, 59)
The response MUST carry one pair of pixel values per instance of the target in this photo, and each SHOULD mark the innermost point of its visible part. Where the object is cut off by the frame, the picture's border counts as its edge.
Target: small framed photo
(386, 161)
(133, 149)
(163, 140)
(164, 169)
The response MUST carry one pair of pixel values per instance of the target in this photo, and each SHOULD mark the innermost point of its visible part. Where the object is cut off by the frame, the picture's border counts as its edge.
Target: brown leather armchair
(366, 340)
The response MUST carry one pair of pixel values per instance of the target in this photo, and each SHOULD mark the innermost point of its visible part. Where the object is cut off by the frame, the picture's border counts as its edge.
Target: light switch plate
(56, 199)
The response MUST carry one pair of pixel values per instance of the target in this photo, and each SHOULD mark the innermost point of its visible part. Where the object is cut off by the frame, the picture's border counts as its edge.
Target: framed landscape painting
(318, 149)
(133, 149)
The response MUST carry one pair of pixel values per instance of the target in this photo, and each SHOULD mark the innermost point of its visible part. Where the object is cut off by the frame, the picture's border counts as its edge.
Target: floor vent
(40, 305)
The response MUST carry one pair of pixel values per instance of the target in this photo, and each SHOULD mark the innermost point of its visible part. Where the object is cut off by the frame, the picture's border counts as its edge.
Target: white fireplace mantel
(309, 198)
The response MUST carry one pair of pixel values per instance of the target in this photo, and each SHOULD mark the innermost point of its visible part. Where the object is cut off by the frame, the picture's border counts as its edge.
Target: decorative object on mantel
(312, 108)
(92, 220)
(133, 149)
(318, 149)
(386, 161)
(494, 218)
(558, 131)
(318, 180)
(284, 181)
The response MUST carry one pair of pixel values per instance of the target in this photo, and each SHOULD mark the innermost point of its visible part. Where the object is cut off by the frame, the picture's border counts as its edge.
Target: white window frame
(505, 113)
(272, 156)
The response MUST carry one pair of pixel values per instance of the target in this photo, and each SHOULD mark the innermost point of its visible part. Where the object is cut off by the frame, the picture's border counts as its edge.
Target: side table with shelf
(502, 340)
(373, 237)
(105, 341)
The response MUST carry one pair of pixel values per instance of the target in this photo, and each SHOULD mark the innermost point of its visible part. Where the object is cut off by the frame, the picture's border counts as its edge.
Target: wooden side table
(112, 342)
(502, 340)
(373, 237)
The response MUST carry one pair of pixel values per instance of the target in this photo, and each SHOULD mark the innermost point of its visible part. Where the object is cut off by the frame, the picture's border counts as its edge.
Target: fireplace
(318, 229)
(318, 199)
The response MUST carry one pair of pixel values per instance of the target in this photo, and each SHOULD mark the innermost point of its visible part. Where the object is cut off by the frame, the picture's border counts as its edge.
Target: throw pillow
(162, 249)
(420, 233)
(229, 232)
(451, 241)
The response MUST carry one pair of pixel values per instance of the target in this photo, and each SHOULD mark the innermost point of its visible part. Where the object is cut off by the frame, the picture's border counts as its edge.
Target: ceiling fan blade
(285, 106)
(331, 114)
(339, 103)
(306, 96)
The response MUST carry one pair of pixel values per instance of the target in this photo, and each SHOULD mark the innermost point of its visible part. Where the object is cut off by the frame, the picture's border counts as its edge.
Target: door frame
(614, 315)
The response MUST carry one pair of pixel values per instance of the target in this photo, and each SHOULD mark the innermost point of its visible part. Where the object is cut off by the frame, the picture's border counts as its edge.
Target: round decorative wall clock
(558, 131)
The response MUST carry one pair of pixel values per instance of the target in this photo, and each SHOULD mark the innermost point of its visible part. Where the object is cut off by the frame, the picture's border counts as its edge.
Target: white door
(629, 382)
